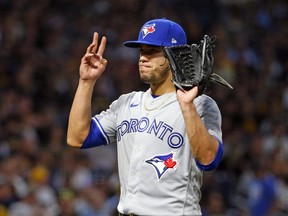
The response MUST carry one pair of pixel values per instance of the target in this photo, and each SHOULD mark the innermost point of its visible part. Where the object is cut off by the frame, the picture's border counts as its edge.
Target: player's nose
(143, 58)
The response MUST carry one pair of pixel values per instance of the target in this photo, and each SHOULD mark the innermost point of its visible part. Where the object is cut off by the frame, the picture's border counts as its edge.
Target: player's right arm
(92, 66)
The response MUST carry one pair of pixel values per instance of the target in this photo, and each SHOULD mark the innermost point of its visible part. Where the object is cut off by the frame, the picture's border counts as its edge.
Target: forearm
(80, 114)
(203, 146)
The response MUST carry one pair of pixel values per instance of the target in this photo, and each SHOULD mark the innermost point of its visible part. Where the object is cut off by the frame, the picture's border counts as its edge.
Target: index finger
(102, 46)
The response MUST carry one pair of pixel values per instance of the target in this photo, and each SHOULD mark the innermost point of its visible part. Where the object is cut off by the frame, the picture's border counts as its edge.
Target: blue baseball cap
(159, 32)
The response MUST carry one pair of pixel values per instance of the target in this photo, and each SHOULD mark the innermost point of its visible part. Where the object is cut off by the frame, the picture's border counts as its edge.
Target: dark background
(41, 44)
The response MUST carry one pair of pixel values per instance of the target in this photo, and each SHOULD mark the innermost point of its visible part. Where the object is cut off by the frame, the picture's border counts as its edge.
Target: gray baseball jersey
(157, 171)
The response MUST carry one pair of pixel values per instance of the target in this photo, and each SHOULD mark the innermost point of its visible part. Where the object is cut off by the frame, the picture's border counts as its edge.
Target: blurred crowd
(41, 44)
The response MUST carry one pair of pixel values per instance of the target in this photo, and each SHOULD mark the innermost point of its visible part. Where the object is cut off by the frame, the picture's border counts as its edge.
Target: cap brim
(137, 44)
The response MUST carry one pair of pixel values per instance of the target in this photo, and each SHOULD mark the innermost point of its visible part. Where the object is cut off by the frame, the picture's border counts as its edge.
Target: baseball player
(165, 137)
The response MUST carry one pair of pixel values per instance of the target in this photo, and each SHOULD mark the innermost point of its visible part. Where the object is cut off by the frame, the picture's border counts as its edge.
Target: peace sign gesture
(93, 64)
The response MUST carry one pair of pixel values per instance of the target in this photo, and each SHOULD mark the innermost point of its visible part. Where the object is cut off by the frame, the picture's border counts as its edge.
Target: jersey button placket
(133, 177)
(133, 172)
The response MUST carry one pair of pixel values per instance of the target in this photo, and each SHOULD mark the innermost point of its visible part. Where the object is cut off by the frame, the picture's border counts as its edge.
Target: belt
(131, 214)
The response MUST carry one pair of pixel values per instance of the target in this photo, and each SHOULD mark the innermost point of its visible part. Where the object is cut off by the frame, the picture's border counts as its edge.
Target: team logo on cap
(162, 163)
(147, 29)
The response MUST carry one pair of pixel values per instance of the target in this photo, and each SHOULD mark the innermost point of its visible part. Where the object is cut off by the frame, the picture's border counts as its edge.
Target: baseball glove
(192, 65)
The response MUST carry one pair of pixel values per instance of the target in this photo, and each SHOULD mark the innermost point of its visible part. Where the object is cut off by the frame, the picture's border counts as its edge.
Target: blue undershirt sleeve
(96, 136)
(215, 162)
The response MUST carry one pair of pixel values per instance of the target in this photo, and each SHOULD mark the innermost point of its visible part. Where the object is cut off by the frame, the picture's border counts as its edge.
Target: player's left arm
(206, 149)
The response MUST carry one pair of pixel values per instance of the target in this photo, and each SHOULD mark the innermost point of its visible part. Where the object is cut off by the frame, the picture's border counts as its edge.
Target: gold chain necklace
(155, 107)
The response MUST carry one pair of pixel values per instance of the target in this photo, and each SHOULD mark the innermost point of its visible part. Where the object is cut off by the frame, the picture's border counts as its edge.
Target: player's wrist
(188, 108)
(86, 82)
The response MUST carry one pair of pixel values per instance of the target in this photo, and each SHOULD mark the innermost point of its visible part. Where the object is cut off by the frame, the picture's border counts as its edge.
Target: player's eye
(155, 50)
(149, 51)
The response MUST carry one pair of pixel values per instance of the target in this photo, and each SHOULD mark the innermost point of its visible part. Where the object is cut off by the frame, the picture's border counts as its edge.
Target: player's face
(153, 66)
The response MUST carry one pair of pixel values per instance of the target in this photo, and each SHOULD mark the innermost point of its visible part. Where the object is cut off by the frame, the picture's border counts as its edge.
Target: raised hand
(93, 64)
(187, 97)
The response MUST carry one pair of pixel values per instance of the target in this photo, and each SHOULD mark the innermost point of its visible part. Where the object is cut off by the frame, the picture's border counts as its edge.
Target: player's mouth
(144, 68)
(141, 65)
